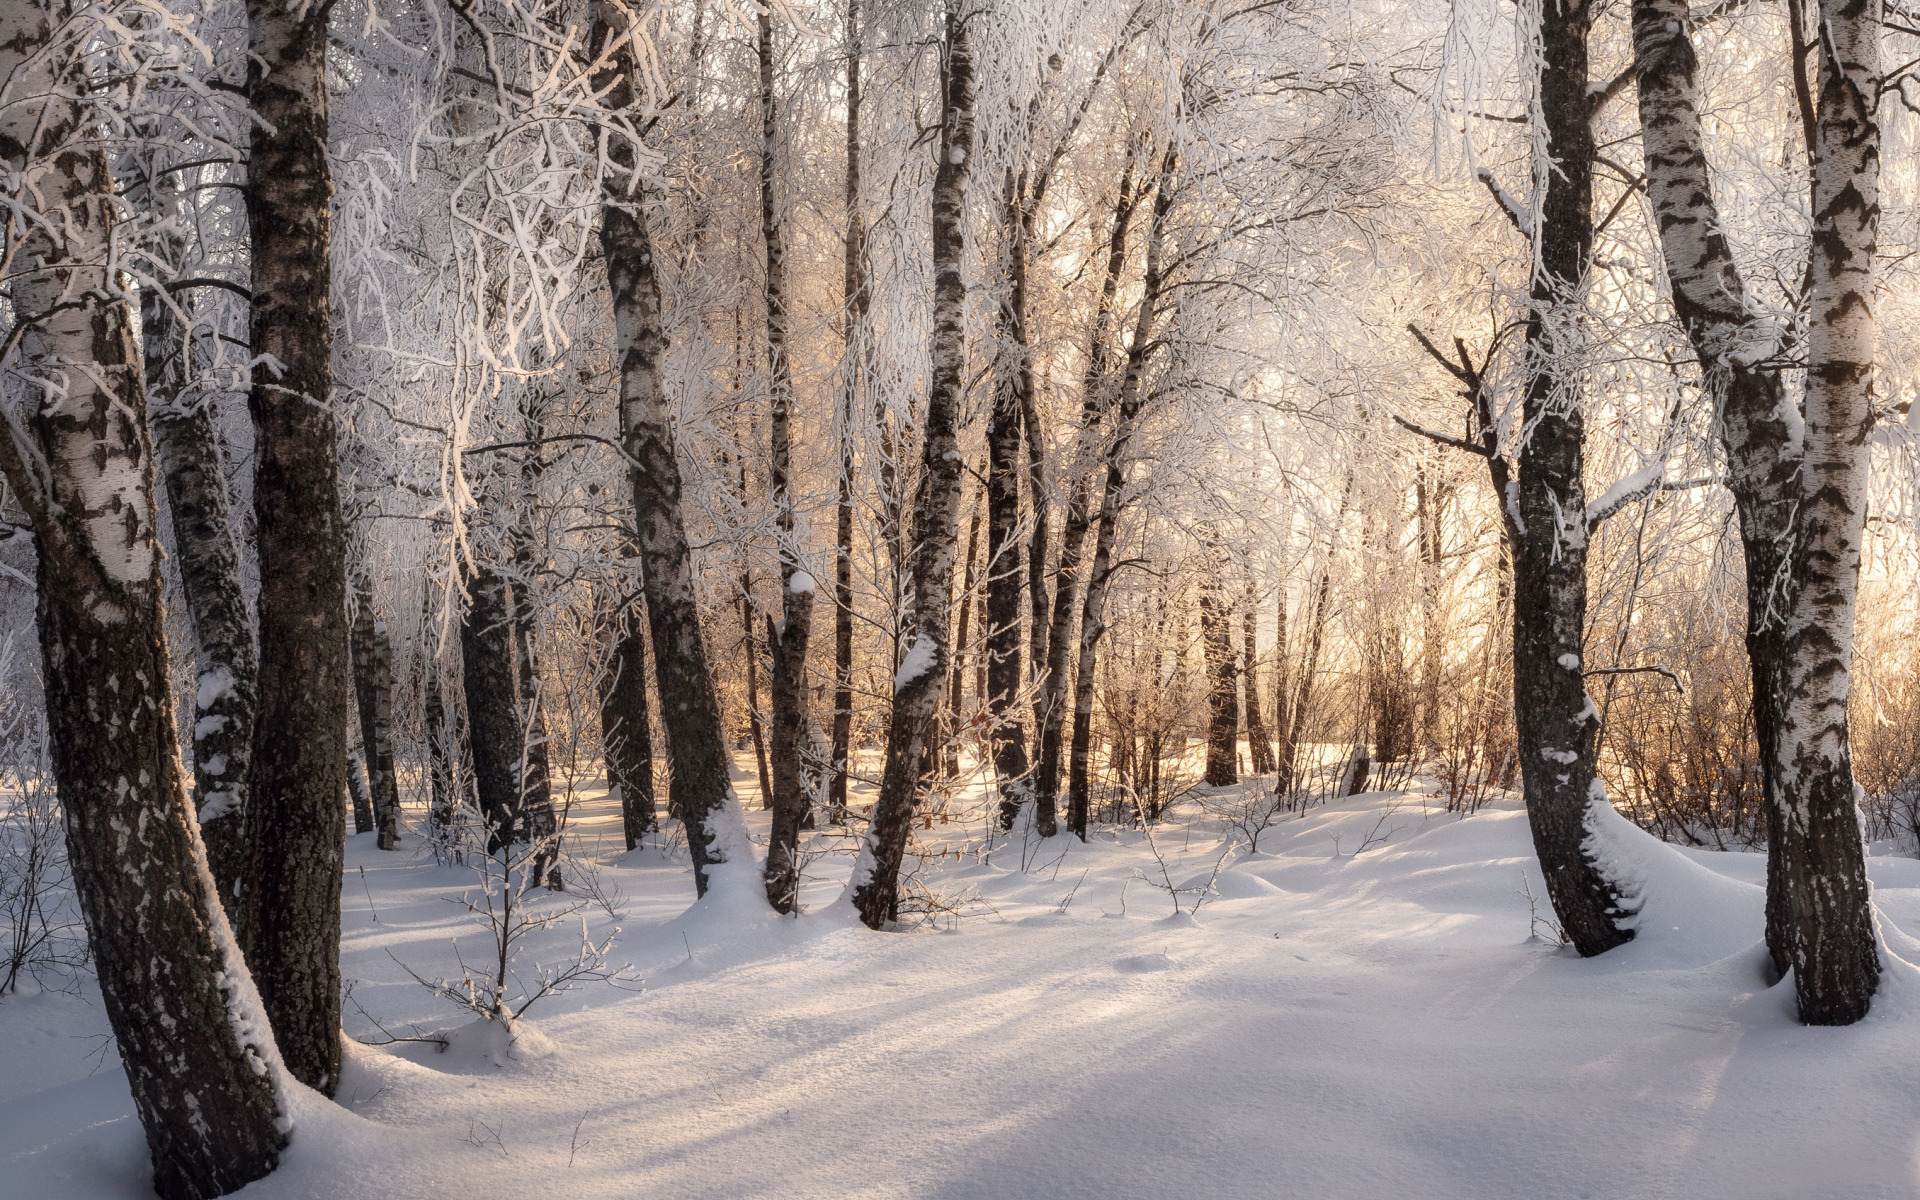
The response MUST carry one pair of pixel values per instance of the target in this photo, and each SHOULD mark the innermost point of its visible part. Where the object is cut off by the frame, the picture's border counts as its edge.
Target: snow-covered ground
(1327, 1025)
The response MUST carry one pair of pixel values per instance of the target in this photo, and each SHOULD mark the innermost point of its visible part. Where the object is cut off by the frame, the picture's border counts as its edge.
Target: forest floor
(1362, 1009)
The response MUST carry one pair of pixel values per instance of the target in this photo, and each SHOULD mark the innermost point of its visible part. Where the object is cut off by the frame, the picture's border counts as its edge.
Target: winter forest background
(482, 476)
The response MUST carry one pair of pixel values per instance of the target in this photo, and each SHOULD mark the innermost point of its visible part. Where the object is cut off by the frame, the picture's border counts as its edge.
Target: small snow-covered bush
(45, 940)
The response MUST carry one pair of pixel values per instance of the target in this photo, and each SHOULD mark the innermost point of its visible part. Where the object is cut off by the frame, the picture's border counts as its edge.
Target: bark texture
(170, 979)
(1223, 701)
(373, 689)
(1056, 617)
(1259, 741)
(1013, 378)
(855, 299)
(1132, 400)
(626, 734)
(187, 447)
(696, 745)
(1735, 345)
(1547, 526)
(922, 677)
(1835, 950)
(493, 720)
(291, 898)
(788, 640)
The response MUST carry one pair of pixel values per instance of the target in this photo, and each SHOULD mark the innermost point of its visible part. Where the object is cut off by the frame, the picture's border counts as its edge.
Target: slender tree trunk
(1039, 503)
(493, 724)
(357, 791)
(922, 677)
(443, 775)
(750, 658)
(1282, 694)
(855, 299)
(1733, 341)
(1299, 706)
(1013, 379)
(1223, 716)
(626, 736)
(1554, 717)
(1131, 402)
(170, 977)
(789, 639)
(696, 744)
(1259, 742)
(956, 681)
(1050, 697)
(226, 691)
(1835, 949)
(291, 898)
(533, 770)
(1428, 506)
(373, 689)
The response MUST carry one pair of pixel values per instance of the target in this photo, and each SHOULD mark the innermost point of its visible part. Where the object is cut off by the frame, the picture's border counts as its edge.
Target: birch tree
(77, 459)
(922, 676)
(290, 921)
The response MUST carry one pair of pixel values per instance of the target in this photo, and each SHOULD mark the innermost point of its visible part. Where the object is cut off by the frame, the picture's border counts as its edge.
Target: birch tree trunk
(1013, 378)
(532, 770)
(1050, 696)
(855, 299)
(1835, 949)
(373, 689)
(922, 677)
(1733, 342)
(1223, 709)
(789, 639)
(357, 797)
(291, 898)
(443, 776)
(1555, 720)
(957, 677)
(187, 447)
(171, 980)
(1132, 401)
(701, 791)
(626, 735)
(493, 723)
(1259, 742)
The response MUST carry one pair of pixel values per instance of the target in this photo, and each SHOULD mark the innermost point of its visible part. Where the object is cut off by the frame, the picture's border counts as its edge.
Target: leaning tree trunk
(1734, 342)
(373, 689)
(1132, 400)
(1050, 697)
(493, 720)
(1223, 708)
(922, 677)
(855, 300)
(626, 736)
(1555, 719)
(187, 445)
(789, 639)
(291, 900)
(171, 980)
(1835, 949)
(696, 745)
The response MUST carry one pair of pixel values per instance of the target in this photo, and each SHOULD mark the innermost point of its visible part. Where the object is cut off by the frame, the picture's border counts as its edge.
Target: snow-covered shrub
(44, 938)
